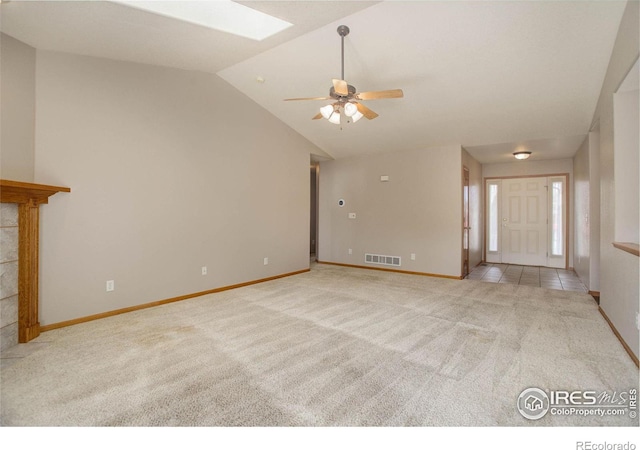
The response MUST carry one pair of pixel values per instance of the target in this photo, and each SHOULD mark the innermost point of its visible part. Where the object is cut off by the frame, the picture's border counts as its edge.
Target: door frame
(567, 210)
(465, 215)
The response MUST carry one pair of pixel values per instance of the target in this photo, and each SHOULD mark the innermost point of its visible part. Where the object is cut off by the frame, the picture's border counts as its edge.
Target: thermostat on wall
(384, 177)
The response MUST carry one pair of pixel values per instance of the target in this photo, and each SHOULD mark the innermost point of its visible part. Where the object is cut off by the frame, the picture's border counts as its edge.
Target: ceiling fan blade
(366, 111)
(341, 87)
(307, 98)
(317, 116)
(374, 95)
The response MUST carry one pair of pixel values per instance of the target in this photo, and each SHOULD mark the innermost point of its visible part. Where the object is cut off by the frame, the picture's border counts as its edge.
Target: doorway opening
(465, 222)
(313, 219)
(527, 221)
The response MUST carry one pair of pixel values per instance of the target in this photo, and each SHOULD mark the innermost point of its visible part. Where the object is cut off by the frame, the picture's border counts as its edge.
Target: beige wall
(17, 121)
(529, 167)
(476, 236)
(582, 213)
(586, 255)
(170, 170)
(594, 207)
(419, 210)
(619, 271)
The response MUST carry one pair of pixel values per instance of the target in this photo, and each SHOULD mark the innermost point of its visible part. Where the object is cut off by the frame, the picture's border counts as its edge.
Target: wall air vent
(383, 259)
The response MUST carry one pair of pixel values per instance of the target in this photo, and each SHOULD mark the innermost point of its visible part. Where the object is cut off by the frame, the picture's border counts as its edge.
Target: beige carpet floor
(333, 347)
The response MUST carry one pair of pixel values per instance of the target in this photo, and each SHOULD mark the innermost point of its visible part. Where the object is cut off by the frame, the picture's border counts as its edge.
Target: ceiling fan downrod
(343, 30)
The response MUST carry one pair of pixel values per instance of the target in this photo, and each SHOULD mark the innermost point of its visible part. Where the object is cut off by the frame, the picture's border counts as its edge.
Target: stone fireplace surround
(19, 239)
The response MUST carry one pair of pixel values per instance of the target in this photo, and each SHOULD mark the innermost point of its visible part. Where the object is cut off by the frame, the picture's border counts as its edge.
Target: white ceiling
(490, 76)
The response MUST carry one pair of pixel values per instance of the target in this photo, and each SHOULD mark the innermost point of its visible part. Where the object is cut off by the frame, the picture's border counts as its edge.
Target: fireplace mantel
(29, 197)
(21, 192)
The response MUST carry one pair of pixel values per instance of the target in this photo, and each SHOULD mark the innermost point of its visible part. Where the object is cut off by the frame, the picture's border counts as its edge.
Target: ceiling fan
(347, 99)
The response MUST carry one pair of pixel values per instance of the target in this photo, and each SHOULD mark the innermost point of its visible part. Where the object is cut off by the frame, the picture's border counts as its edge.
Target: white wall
(534, 168)
(619, 270)
(17, 113)
(419, 210)
(169, 171)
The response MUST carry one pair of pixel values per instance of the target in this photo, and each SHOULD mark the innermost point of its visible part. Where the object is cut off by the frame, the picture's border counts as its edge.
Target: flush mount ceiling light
(522, 155)
(221, 15)
(347, 107)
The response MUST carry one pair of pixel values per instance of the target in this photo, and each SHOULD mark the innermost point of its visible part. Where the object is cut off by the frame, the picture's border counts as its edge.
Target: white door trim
(495, 255)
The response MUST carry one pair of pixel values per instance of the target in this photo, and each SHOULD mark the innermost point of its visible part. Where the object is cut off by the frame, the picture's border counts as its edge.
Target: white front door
(524, 221)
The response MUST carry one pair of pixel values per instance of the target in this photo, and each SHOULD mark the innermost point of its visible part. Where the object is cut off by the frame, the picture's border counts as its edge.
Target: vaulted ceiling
(490, 76)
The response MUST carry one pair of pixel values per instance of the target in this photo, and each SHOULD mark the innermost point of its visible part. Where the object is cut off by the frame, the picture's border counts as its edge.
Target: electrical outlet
(111, 285)
(266, 261)
(204, 270)
(413, 257)
(350, 252)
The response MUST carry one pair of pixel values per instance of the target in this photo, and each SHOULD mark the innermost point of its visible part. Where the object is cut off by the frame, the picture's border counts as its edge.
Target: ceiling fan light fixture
(326, 111)
(335, 118)
(521, 155)
(357, 116)
(350, 109)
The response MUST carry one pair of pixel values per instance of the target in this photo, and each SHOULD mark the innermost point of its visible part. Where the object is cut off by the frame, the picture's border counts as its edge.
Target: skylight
(221, 15)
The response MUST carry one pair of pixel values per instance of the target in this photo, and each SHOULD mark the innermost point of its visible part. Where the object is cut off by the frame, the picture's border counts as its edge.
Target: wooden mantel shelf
(29, 197)
(21, 192)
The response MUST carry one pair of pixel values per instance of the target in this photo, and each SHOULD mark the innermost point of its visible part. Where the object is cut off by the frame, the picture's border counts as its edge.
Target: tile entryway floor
(546, 277)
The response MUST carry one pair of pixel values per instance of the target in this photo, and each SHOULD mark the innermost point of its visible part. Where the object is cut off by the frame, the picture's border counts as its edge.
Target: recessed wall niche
(626, 158)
